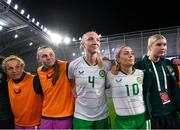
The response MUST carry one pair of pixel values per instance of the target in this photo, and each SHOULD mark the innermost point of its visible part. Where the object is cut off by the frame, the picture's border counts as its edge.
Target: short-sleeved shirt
(91, 101)
(127, 92)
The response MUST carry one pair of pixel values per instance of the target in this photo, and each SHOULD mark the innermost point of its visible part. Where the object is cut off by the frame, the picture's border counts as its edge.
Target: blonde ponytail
(99, 61)
(56, 73)
(115, 69)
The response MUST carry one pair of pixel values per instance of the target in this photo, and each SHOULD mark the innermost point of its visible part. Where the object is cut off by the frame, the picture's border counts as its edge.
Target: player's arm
(70, 75)
(37, 85)
(73, 86)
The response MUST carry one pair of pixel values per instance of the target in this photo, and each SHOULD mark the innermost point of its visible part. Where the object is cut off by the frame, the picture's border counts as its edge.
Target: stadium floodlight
(102, 50)
(48, 32)
(112, 49)
(74, 54)
(55, 38)
(41, 26)
(22, 11)
(73, 39)
(28, 16)
(16, 36)
(37, 23)
(67, 40)
(31, 43)
(16, 7)
(2, 23)
(33, 20)
(8, 2)
(1, 27)
(45, 29)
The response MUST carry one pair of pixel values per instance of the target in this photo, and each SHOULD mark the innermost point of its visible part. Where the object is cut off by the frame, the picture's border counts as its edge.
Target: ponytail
(115, 69)
(99, 61)
(56, 73)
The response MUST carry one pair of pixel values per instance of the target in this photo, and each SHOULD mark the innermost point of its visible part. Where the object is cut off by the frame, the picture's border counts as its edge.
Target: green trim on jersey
(88, 62)
(84, 124)
(131, 72)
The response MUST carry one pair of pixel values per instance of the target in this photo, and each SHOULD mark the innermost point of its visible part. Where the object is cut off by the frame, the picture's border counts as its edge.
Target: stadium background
(21, 34)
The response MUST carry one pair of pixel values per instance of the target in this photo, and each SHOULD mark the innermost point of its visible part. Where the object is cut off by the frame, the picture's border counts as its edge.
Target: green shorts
(131, 122)
(84, 124)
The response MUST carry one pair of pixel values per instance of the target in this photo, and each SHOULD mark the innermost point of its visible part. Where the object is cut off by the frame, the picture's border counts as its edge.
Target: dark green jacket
(5, 109)
(173, 89)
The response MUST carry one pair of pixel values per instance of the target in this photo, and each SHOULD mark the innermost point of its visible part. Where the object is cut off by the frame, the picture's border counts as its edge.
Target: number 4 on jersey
(91, 79)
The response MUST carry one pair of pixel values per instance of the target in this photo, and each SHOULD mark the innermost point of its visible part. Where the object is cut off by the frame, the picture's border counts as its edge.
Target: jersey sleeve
(142, 73)
(107, 65)
(108, 80)
(71, 71)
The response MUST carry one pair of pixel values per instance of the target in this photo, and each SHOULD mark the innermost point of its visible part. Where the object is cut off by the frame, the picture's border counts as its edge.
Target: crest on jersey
(139, 80)
(81, 72)
(102, 73)
(171, 70)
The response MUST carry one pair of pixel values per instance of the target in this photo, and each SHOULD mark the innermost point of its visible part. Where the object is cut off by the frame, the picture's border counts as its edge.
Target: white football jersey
(127, 92)
(91, 101)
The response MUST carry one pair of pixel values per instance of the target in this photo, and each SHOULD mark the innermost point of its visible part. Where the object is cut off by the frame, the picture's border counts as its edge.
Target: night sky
(107, 17)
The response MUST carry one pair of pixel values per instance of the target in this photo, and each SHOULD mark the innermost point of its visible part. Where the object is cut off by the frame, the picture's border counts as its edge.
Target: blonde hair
(117, 67)
(99, 59)
(84, 37)
(12, 57)
(152, 39)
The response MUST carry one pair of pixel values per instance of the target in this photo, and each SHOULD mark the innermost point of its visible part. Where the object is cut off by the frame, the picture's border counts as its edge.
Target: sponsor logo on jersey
(118, 80)
(102, 73)
(81, 71)
(139, 80)
(49, 76)
(17, 91)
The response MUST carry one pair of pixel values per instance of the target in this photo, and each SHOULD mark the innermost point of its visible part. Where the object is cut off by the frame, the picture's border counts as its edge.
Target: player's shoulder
(76, 61)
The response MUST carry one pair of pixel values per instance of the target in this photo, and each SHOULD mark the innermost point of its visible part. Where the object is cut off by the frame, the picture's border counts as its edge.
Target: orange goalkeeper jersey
(58, 99)
(26, 104)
